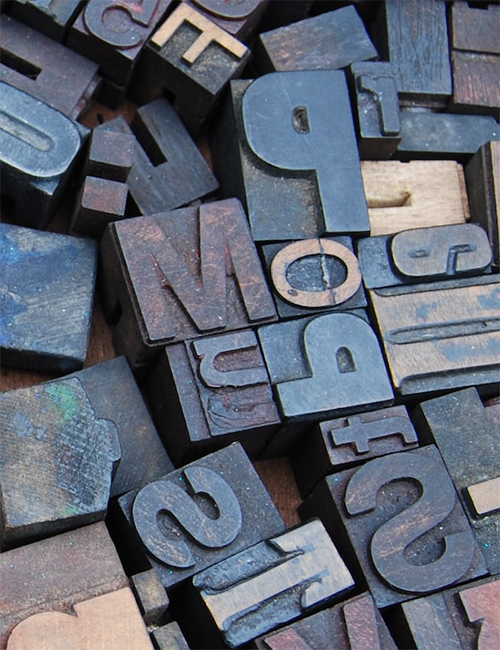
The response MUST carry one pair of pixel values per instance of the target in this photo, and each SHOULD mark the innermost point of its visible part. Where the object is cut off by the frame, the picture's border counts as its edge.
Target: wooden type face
(462, 618)
(272, 583)
(193, 271)
(314, 275)
(168, 170)
(325, 365)
(404, 523)
(49, 288)
(294, 172)
(213, 390)
(200, 514)
(343, 442)
(476, 83)
(441, 335)
(471, 461)
(239, 19)
(38, 65)
(475, 28)
(377, 109)
(110, 621)
(50, 17)
(416, 42)
(326, 42)
(87, 566)
(411, 256)
(352, 625)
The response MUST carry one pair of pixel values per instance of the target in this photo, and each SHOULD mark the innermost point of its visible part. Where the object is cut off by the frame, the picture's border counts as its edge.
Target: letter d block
(38, 147)
(199, 515)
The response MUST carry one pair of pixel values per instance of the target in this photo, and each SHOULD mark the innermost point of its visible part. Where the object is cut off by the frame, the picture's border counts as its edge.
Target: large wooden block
(476, 83)
(414, 38)
(472, 461)
(314, 275)
(399, 521)
(239, 19)
(168, 170)
(325, 366)
(329, 41)
(211, 391)
(57, 573)
(299, 176)
(192, 60)
(344, 442)
(181, 274)
(38, 65)
(441, 335)
(482, 175)
(48, 282)
(198, 515)
(351, 625)
(411, 256)
(414, 194)
(35, 169)
(266, 585)
(474, 27)
(51, 17)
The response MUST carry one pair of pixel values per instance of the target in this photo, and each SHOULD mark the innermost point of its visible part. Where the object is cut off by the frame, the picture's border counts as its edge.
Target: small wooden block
(52, 17)
(174, 282)
(476, 83)
(416, 194)
(99, 202)
(267, 585)
(48, 282)
(398, 518)
(57, 573)
(199, 515)
(475, 28)
(349, 441)
(151, 596)
(485, 496)
(169, 637)
(110, 621)
(111, 155)
(430, 340)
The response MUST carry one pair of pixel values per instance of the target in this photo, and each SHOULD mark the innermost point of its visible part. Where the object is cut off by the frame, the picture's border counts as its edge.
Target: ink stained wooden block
(48, 294)
(53, 18)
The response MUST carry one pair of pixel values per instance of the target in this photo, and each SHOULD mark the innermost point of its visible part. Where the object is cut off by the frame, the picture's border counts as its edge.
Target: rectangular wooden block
(415, 194)
(440, 335)
(474, 27)
(392, 517)
(344, 442)
(151, 596)
(267, 585)
(472, 461)
(50, 17)
(198, 515)
(476, 83)
(181, 274)
(211, 391)
(298, 176)
(99, 202)
(111, 155)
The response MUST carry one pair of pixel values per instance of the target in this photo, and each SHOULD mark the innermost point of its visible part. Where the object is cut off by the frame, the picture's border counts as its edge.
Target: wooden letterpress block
(440, 335)
(492, 410)
(474, 27)
(151, 596)
(168, 170)
(444, 135)
(325, 366)
(38, 148)
(86, 563)
(326, 42)
(212, 391)
(415, 194)
(286, 146)
(114, 396)
(239, 19)
(48, 282)
(38, 65)
(399, 517)
(482, 175)
(414, 38)
(314, 275)
(51, 433)
(471, 460)
(99, 202)
(51, 17)
(344, 442)
(352, 625)
(376, 109)
(476, 83)
(199, 515)
(438, 253)
(110, 621)
(111, 155)
(192, 59)
(113, 32)
(266, 585)
(183, 273)
(169, 637)
(461, 618)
